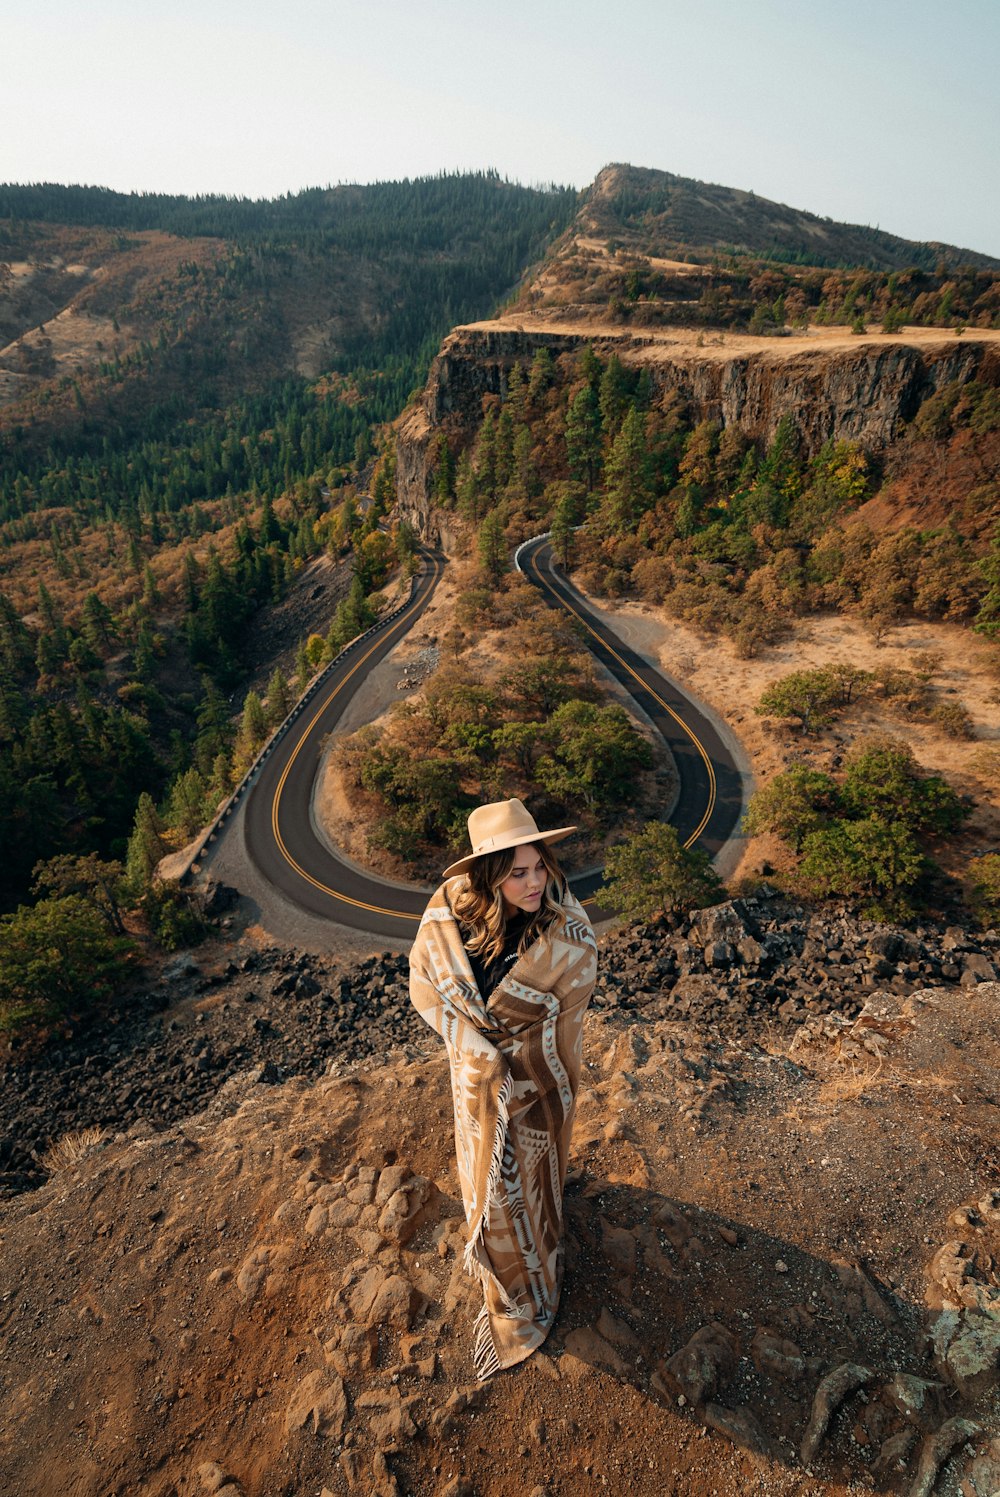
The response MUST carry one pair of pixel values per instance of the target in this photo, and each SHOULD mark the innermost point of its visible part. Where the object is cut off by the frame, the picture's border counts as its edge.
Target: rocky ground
(783, 1232)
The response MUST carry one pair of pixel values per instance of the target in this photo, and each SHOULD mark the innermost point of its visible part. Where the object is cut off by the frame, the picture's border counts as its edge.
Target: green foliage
(988, 617)
(279, 699)
(146, 847)
(883, 779)
(652, 874)
(58, 957)
(808, 696)
(97, 882)
(793, 804)
(353, 616)
(870, 857)
(566, 516)
(983, 880)
(594, 754)
(494, 555)
(627, 477)
(423, 795)
(863, 837)
(188, 806)
(583, 436)
(171, 917)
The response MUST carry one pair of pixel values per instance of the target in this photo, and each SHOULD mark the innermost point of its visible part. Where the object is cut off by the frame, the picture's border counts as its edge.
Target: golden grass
(71, 1148)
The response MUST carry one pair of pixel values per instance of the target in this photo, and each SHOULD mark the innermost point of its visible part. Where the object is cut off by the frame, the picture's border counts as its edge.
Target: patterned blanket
(515, 1066)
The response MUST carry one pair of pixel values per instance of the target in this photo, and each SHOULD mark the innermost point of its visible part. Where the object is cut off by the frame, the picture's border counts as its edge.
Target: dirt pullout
(270, 1298)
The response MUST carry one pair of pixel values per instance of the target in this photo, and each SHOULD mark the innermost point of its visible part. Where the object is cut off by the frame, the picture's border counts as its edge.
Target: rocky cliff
(862, 389)
(782, 1235)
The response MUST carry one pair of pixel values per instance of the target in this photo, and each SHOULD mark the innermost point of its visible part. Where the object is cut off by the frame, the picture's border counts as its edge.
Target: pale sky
(871, 111)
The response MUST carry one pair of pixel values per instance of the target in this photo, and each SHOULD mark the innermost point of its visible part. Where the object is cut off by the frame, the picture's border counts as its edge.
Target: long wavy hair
(479, 904)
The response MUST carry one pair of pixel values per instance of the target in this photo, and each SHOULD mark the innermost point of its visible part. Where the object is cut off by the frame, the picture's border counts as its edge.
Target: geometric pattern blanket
(515, 1067)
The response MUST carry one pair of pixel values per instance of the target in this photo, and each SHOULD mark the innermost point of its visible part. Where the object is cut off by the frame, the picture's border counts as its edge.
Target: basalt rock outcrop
(864, 394)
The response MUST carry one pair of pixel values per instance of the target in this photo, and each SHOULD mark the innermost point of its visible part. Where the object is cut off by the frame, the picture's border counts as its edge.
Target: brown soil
(196, 1305)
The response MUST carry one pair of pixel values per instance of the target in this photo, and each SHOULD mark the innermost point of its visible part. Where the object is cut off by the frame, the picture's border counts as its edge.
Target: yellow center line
(276, 802)
(533, 561)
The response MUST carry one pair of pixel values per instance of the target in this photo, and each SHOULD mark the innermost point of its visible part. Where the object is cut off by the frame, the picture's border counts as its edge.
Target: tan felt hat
(504, 823)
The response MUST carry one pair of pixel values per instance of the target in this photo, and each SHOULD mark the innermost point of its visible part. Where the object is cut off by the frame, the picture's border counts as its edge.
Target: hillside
(649, 250)
(191, 397)
(651, 211)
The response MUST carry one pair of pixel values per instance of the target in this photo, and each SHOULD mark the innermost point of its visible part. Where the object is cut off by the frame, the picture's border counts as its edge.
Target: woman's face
(524, 886)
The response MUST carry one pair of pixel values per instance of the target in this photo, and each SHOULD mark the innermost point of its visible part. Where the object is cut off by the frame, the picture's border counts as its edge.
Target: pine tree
(516, 394)
(626, 492)
(279, 702)
(486, 459)
(444, 473)
(565, 518)
(145, 848)
(97, 624)
(583, 436)
(467, 489)
(251, 736)
(150, 592)
(492, 546)
(504, 449)
(541, 375)
(186, 808)
(614, 396)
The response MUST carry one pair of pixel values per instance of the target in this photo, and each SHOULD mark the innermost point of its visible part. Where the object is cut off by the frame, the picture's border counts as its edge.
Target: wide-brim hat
(503, 824)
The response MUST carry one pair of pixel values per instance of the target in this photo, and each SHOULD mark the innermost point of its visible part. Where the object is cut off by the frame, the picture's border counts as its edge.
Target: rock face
(864, 394)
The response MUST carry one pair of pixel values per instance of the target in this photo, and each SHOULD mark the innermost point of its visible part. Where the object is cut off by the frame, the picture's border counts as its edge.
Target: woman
(503, 967)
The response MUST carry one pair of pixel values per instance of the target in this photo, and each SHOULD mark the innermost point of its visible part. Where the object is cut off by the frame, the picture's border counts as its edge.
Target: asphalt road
(711, 790)
(278, 829)
(280, 835)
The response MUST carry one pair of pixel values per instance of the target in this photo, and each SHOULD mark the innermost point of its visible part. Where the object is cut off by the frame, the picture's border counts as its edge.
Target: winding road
(279, 829)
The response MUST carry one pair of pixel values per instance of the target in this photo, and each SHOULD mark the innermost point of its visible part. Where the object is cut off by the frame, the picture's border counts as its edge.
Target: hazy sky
(874, 111)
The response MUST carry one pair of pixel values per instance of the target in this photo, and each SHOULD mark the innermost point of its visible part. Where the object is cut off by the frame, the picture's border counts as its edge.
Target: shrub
(869, 857)
(953, 718)
(652, 874)
(809, 696)
(58, 957)
(983, 881)
(792, 805)
(884, 779)
(595, 754)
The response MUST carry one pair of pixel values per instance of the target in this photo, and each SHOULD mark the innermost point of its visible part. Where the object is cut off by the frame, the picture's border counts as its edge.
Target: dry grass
(71, 1148)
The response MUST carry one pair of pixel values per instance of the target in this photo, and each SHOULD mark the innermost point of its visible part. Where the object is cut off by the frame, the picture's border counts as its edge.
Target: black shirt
(488, 974)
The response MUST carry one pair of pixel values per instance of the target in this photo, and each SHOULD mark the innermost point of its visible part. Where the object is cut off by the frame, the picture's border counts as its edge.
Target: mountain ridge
(619, 185)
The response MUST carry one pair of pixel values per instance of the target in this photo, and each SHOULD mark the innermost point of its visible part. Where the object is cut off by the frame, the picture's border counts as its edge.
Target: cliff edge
(781, 1264)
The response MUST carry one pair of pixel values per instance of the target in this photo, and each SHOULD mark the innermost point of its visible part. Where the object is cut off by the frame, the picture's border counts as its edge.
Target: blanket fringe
(485, 1358)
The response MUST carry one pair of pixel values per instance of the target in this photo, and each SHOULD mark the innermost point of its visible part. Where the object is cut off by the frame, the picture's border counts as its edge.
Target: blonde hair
(479, 904)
